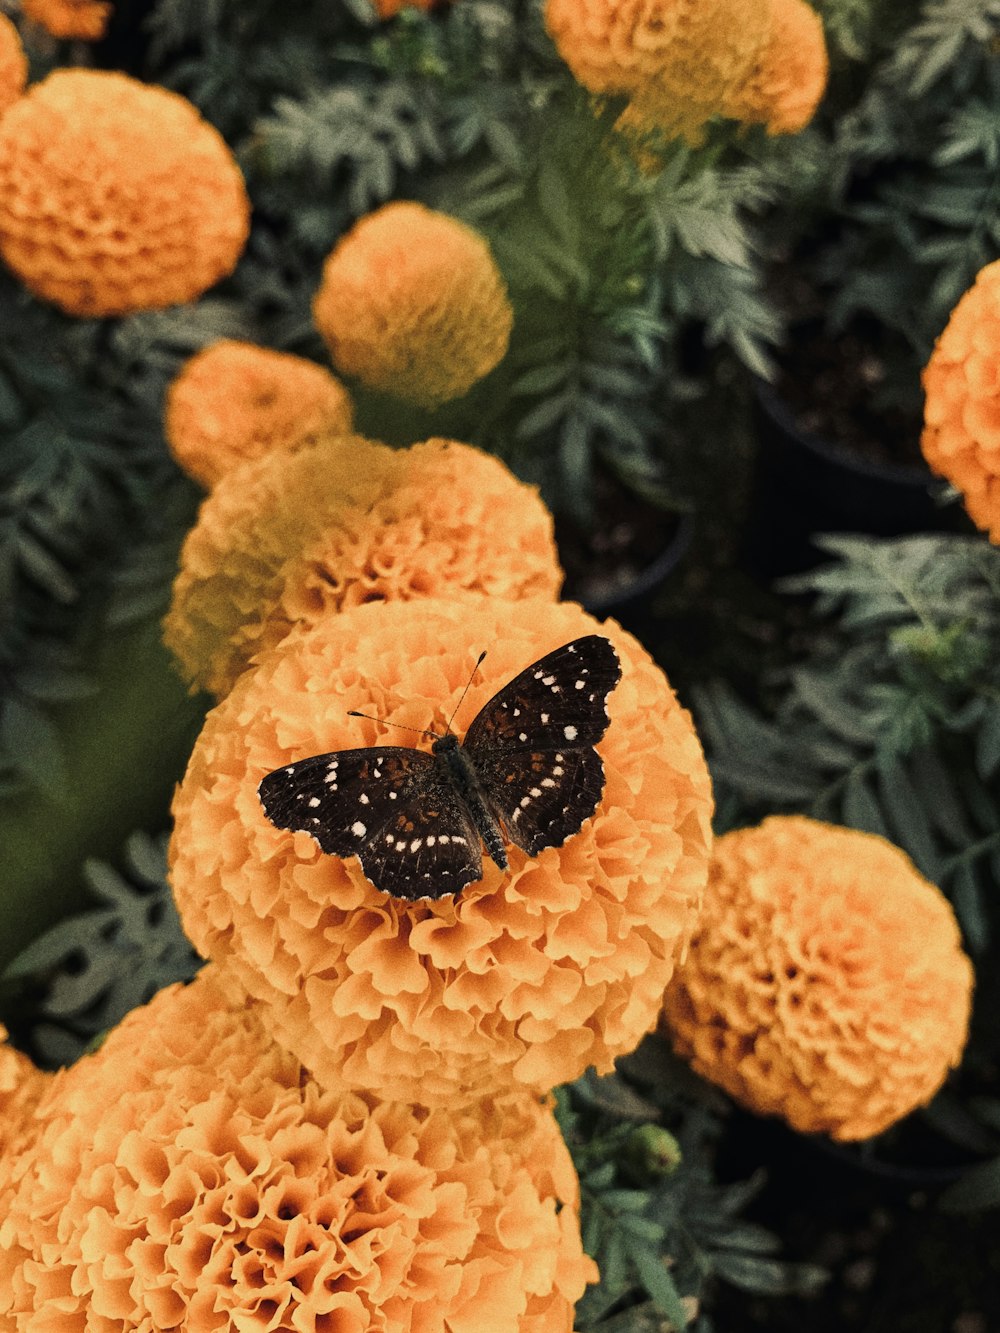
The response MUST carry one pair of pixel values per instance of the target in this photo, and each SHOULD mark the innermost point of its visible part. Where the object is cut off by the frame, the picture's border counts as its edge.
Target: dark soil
(625, 537)
(832, 385)
(897, 1262)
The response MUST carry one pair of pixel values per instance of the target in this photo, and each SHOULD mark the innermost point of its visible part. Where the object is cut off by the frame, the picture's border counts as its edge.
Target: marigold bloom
(524, 979)
(234, 401)
(76, 20)
(961, 437)
(190, 1174)
(21, 1087)
(13, 64)
(676, 60)
(116, 196)
(291, 540)
(387, 9)
(789, 76)
(826, 981)
(413, 304)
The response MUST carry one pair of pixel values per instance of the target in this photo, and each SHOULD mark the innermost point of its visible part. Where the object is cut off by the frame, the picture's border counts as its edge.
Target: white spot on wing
(358, 829)
(313, 802)
(569, 733)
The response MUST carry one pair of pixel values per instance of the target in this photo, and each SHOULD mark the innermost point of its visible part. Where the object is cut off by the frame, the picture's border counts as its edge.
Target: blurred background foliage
(866, 691)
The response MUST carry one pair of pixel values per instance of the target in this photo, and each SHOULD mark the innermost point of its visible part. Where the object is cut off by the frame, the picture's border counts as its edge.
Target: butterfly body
(527, 772)
(463, 775)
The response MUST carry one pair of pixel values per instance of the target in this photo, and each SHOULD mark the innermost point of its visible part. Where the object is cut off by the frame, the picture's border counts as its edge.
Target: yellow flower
(13, 64)
(826, 982)
(412, 304)
(191, 1175)
(528, 976)
(961, 438)
(234, 401)
(78, 20)
(789, 76)
(286, 541)
(116, 196)
(676, 60)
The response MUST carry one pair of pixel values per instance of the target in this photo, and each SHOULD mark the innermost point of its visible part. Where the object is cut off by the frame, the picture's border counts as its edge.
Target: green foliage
(892, 723)
(85, 974)
(906, 213)
(659, 1227)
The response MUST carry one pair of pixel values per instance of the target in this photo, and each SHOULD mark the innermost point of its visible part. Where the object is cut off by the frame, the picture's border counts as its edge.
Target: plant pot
(805, 484)
(617, 582)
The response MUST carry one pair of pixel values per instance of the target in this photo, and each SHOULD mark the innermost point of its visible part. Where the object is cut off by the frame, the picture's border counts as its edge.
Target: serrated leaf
(652, 1272)
(33, 744)
(979, 1188)
(905, 813)
(988, 742)
(967, 899)
(860, 808)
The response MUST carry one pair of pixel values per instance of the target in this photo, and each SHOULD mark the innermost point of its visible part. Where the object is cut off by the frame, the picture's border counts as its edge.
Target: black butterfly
(528, 770)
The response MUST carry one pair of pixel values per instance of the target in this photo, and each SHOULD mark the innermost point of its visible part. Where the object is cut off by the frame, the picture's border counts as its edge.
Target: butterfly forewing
(558, 701)
(346, 797)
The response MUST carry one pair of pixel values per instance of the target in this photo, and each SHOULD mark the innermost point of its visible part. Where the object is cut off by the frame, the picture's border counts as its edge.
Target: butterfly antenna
(479, 663)
(398, 725)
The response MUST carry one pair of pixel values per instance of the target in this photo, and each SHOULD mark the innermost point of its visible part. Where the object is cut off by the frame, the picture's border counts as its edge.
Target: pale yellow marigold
(116, 196)
(289, 541)
(525, 978)
(13, 64)
(789, 76)
(234, 401)
(413, 304)
(826, 981)
(676, 60)
(76, 20)
(961, 438)
(191, 1175)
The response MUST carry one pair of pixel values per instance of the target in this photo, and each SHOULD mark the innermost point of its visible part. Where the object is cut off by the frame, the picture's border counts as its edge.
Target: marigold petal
(826, 982)
(116, 196)
(566, 955)
(233, 401)
(190, 1171)
(413, 304)
(291, 540)
(961, 436)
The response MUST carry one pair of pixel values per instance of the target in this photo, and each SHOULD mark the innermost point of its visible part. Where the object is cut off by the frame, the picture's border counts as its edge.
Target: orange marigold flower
(961, 438)
(291, 540)
(116, 196)
(789, 76)
(21, 1087)
(190, 1174)
(234, 401)
(413, 304)
(676, 60)
(387, 9)
(76, 20)
(826, 981)
(527, 977)
(13, 64)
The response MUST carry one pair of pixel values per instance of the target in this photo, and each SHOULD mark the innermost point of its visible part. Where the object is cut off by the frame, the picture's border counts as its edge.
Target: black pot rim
(901, 474)
(649, 577)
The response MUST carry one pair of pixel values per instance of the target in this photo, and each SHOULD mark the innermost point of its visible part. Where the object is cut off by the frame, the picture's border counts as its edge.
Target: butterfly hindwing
(428, 848)
(558, 701)
(542, 797)
(344, 798)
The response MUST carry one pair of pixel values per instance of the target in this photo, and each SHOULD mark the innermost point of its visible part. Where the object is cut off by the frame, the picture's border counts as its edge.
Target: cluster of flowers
(961, 438)
(344, 1122)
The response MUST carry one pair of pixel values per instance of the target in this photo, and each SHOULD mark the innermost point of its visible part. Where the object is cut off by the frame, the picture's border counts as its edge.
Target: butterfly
(526, 773)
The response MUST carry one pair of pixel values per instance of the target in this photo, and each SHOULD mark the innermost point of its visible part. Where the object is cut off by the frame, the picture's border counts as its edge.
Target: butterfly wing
(388, 805)
(533, 744)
